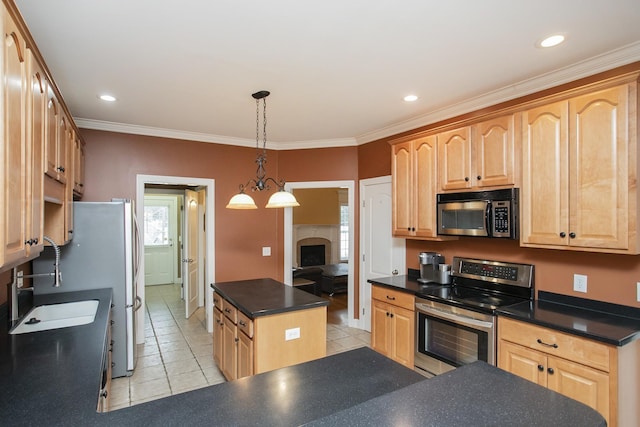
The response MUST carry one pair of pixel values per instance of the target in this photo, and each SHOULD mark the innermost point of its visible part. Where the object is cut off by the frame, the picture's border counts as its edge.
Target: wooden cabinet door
(245, 355)
(229, 350)
(545, 184)
(380, 328)
(425, 165)
(454, 159)
(523, 362)
(581, 383)
(62, 158)
(401, 170)
(35, 146)
(13, 218)
(599, 157)
(494, 158)
(51, 135)
(218, 336)
(402, 336)
(78, 167)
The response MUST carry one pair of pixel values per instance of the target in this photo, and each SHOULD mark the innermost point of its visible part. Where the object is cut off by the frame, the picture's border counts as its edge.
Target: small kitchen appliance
(429, 266)
(456, 324)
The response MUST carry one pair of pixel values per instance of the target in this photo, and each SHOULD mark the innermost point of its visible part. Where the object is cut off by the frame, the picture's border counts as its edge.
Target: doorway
(205, 272)
(290, 247)
(162, 225)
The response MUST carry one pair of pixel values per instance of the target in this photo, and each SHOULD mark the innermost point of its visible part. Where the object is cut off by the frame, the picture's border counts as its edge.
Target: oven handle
(465, 321)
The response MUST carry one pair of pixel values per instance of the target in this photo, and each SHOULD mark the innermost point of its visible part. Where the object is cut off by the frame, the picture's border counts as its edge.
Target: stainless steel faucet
(17, 284)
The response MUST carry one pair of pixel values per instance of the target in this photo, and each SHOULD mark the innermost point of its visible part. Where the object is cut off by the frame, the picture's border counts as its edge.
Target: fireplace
(312, 255)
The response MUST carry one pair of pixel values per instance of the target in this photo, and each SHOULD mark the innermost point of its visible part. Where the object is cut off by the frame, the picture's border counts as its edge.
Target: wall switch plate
(580, 283)
(291, 334)
(638, 291)
(266, 251)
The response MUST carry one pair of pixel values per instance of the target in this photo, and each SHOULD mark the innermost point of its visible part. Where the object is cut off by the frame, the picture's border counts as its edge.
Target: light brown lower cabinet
(604, 377)
(243, 346)
(393, 324)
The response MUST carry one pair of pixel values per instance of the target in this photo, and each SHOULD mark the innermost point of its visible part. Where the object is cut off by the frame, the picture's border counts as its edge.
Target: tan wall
(611, 278)
(317, 206)
(113, 160)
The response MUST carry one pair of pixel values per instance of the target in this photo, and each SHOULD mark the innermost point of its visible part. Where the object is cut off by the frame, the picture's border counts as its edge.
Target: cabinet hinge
(364, 203)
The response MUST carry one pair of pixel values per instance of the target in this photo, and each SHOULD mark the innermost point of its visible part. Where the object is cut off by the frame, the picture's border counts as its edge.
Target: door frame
(210, 264)
(288, 237)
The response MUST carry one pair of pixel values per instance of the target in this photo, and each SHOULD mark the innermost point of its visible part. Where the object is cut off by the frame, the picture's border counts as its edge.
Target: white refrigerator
(103, 254)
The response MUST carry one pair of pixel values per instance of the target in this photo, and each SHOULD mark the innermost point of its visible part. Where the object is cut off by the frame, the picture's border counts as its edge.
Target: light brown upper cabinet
(78, 167)
(13, 215)
(414, 171)
(478, 156)
(579, 176)
(51, 135)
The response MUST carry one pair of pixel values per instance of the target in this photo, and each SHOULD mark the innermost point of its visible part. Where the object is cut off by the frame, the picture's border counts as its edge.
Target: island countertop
(263, 297)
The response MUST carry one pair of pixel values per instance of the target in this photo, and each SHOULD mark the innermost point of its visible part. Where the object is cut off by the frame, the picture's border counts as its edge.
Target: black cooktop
(475, 299)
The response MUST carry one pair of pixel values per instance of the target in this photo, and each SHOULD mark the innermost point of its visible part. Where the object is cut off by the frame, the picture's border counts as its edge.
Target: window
(344, 232)
(156, 225)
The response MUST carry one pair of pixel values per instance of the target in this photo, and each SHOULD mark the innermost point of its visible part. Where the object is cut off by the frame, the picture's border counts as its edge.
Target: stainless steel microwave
(493, 213)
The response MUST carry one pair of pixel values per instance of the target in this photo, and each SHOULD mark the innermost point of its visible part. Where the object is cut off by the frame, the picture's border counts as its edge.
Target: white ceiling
(337, 69)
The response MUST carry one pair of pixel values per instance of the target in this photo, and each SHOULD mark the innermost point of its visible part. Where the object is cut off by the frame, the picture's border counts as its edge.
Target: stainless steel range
(456, 324)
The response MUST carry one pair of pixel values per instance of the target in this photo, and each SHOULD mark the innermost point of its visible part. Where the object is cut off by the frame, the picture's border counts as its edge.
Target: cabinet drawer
(398, 298)
(556, 343)
(230, 311)
(217, 301)
(245, 324)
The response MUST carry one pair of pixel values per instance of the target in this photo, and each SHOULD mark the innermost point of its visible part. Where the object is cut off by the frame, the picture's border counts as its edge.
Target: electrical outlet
(292, 334)
(580, 283)
(638, 291)
(266, 251)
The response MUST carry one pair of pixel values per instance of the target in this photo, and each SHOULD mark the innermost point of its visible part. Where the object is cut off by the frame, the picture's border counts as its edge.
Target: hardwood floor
(337, 312)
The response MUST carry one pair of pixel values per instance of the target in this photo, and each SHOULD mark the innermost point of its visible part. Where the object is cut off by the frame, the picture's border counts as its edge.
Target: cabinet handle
(572, 235)
(35, 241)
(391, 298)
(563, 234)
(408, 228)
(413, 229)
(105, 394)
(241, 323)
(60, 168)
(540, 368)
(550, 370)
(236, 339)
(479, 177)
(391, 315)
(466, 178)
(226, 310)
(28, 242)
(554, 345)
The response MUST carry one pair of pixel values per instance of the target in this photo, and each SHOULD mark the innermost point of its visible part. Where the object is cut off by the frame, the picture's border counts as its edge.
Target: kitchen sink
(54, 316)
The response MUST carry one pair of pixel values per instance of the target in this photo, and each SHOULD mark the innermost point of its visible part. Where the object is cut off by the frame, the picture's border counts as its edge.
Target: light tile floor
(177, 355)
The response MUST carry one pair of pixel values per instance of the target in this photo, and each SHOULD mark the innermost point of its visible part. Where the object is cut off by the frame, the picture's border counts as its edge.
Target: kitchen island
(262, 324)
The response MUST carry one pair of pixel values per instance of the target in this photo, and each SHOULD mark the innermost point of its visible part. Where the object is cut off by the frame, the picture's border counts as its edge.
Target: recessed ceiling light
(411, 98)
(107, 98)
(551, 41)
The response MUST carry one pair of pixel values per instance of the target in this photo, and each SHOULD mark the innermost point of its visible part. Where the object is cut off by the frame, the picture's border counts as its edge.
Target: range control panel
(494, 271)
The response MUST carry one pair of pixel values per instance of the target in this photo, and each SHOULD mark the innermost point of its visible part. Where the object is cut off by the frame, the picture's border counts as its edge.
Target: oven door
(468, 218)
(448, 337)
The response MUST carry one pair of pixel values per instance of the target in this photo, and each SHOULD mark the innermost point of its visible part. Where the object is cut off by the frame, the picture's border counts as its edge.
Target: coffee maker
(430, 266)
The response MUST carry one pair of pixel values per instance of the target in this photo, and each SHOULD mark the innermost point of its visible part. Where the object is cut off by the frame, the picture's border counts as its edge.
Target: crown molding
(616, 58)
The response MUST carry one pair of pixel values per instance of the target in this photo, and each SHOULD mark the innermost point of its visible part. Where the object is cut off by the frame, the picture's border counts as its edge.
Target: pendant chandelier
(279, 199)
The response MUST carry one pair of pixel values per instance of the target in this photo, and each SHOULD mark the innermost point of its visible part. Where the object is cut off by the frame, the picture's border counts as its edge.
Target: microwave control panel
(501, 218)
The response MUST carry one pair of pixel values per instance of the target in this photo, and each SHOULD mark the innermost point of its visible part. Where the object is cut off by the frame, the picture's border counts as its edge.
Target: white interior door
(191, 252)
(382, 254)
(160, 227)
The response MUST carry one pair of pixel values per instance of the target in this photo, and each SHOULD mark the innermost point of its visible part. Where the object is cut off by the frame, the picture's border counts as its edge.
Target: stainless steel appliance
(429, 266)
(456, 324)
(492, 213)
(103, 254)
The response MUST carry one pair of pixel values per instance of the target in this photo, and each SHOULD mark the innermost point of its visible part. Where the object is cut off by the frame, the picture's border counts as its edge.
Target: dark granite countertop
(473, 395)
(51, 377)
(263, 297)
(608, 323)
(604, 322)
